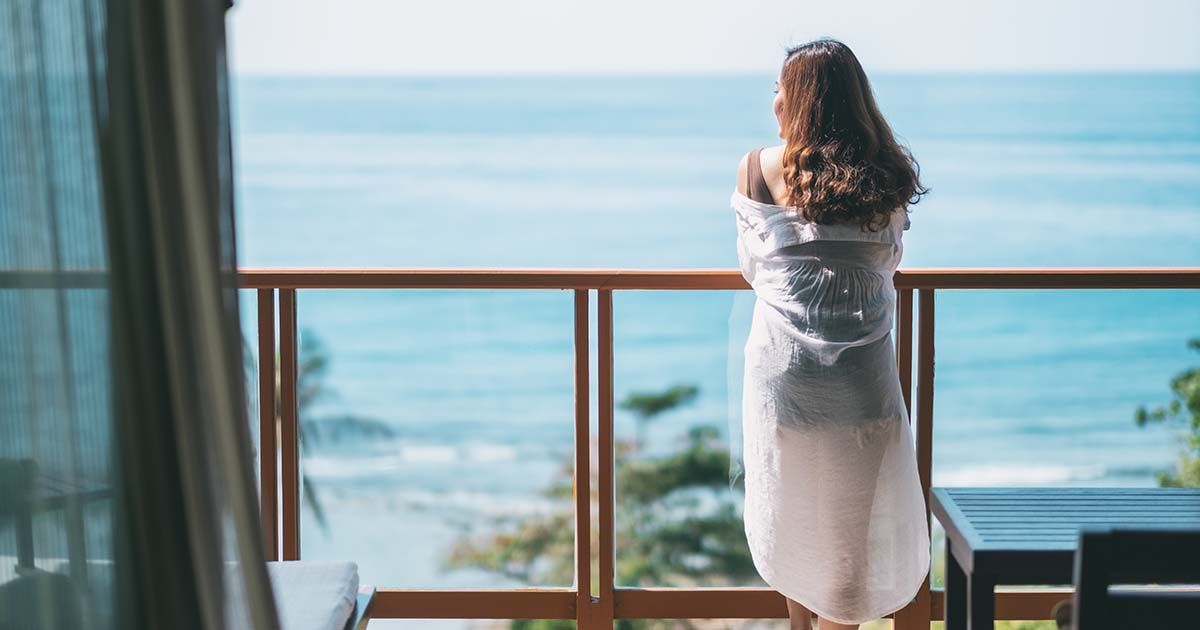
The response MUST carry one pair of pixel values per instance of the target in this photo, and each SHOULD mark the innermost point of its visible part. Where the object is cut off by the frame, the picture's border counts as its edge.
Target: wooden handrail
(642, 279)
(710, 279)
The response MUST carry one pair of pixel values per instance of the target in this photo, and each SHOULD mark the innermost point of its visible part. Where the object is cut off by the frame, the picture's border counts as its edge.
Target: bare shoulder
(772, 164)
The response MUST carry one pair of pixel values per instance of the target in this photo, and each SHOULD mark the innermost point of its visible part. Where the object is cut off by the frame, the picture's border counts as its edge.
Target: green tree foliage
(1182, 409)
(677, 522)
(645, 406)
(681, 525)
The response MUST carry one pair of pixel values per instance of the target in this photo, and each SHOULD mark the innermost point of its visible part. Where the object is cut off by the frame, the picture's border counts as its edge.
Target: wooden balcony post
(583, 465)
(603, 607)
(919, 613)
(289, 439)
(268, 462)
(904, 340)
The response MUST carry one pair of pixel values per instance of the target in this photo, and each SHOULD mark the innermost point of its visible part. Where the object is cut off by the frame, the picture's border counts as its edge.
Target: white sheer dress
(833, 513)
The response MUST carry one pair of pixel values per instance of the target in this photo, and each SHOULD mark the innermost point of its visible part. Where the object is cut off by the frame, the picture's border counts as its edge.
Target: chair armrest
(362, 609)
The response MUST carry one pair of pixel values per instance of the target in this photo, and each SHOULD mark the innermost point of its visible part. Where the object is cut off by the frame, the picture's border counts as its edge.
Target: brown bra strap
(756, 183)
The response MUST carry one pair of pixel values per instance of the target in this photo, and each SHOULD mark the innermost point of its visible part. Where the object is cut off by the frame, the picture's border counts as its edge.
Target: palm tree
(313, 363)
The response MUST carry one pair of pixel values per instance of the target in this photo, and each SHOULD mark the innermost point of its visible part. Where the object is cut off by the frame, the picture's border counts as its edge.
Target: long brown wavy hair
(841, 163)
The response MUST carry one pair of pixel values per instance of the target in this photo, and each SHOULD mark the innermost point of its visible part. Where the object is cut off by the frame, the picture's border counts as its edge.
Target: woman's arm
(745, 264)
(742, 170)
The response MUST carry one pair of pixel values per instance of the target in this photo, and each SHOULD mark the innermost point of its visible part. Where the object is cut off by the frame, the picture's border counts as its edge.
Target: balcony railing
(597, 605)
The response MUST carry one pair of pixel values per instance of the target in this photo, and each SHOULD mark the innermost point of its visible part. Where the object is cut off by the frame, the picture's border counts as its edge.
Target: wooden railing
(597, 605)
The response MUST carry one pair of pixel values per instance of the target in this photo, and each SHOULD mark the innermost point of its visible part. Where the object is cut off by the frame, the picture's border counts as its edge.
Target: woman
(834, 513)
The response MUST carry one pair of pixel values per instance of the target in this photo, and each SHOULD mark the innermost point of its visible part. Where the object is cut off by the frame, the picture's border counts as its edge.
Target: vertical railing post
(904, 344)
(604, 607)
(583, 466)
(289, 441)
(268, 462)
(918, 614)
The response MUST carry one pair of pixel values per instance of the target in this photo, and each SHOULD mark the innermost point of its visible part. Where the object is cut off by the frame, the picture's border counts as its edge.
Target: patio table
(1028, 536)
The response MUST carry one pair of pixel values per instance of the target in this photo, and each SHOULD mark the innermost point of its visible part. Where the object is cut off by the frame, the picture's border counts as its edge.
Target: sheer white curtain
(126, 497)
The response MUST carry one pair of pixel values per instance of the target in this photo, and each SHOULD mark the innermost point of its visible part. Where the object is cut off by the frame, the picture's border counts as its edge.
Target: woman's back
(826, 445)
(833, 283)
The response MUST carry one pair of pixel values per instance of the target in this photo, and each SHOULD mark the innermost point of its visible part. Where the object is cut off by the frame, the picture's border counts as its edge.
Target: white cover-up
(833, 514)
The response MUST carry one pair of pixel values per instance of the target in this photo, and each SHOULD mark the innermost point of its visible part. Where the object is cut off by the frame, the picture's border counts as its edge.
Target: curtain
(126, 493)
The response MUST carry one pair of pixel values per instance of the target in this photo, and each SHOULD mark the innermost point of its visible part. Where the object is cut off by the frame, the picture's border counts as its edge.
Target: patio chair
(1107, 557)
(312, 595)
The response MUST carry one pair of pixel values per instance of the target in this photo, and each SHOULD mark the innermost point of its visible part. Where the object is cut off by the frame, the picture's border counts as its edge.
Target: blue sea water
(1033, 387)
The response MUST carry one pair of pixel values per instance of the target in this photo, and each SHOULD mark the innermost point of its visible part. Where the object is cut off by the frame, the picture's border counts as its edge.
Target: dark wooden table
(1028, 536)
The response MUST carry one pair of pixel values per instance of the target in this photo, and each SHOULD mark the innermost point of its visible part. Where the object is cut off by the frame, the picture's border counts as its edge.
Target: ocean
(1033, 387)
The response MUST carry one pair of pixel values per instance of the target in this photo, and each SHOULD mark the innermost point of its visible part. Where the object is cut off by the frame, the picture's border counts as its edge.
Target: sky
(506, 37)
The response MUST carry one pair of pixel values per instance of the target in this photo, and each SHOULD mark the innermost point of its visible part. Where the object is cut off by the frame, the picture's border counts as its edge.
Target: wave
(403, 502)
(402, 456)
(1034, 474)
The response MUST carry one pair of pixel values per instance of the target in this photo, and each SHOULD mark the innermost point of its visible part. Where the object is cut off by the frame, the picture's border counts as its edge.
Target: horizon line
(587, 74)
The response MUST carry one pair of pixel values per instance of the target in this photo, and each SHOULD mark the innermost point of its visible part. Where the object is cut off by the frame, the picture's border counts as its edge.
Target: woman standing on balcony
(834, 513)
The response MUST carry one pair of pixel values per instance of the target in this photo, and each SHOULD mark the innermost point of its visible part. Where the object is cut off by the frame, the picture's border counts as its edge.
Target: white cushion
(314, 595)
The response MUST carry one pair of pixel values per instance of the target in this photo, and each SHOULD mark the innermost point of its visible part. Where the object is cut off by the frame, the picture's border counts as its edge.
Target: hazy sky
(639, 36)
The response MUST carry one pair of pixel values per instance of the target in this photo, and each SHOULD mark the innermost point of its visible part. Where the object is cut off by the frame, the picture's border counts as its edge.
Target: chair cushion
(314, 595)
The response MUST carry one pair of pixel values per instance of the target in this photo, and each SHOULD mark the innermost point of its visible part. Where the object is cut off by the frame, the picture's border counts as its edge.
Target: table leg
(24, 533)
(955, 608)
(76, 540)
(981, 602)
